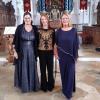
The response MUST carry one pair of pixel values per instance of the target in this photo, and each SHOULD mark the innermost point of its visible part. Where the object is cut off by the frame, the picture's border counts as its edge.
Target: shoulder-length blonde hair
(66, 14)
(47, 17)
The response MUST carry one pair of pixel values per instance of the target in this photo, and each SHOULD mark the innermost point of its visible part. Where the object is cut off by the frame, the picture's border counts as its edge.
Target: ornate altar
(9, 35)
(9, 48)
(54, 8)
(7, 18)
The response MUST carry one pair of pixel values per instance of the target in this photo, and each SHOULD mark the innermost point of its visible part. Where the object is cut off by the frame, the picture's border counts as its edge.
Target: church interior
(85, 17)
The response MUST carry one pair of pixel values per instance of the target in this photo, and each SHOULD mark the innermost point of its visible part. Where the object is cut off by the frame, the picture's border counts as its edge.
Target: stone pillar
(41, 4)
(35, 13)
(68, 5)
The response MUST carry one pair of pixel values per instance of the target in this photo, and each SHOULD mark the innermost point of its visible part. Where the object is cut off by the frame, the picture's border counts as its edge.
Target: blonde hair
(66, 14)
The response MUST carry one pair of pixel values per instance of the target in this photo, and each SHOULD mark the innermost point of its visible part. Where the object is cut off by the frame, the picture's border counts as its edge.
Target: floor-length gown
(67, 43)
(26, 76)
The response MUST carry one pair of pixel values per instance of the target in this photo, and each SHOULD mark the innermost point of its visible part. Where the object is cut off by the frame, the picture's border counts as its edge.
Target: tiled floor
(87, 80)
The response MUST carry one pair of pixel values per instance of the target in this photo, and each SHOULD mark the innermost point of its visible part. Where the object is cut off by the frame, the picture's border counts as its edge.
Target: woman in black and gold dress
(45, 47)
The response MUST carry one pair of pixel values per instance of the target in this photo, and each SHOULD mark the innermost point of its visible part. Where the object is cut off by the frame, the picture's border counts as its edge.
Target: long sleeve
(36, 41)
(56, 37)
(55, 47)
(76, 46)
(16, 40)
(53, 38)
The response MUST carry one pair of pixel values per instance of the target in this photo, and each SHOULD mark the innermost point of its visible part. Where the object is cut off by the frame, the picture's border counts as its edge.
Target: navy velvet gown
(67, 43)
(26, 76)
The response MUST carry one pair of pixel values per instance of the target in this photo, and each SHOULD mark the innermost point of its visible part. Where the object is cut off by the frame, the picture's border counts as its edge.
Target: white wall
(79, 16)
(88, 16)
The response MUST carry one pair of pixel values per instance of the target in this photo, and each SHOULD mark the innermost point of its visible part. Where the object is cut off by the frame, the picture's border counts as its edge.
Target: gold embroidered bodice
(45, 39)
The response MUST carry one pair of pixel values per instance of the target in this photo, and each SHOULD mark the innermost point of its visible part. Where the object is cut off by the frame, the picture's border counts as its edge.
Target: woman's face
(65, 20)
(44, 20)
(27, 19)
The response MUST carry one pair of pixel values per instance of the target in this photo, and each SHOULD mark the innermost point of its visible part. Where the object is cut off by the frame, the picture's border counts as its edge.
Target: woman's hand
(15, 54)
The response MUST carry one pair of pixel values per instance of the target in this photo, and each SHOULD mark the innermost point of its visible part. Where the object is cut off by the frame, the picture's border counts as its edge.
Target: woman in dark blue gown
(26, 76)
(67, 51)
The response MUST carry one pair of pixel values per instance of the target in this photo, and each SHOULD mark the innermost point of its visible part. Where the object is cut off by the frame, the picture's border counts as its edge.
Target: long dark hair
(27, 13)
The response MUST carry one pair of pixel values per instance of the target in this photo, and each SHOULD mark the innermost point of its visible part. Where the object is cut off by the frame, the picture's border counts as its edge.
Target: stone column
(68, 5)
(41, 5)
(35, 14)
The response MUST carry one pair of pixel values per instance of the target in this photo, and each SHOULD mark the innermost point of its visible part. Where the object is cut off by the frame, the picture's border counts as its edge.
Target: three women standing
(27, 41)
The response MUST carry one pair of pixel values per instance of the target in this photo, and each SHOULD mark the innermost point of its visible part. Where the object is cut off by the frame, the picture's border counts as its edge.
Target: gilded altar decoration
(55, 8)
